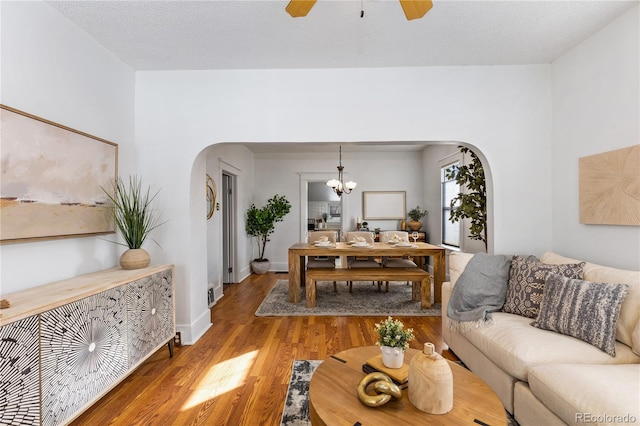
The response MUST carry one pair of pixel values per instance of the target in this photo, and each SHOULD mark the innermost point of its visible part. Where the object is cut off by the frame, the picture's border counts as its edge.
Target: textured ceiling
(241, 34)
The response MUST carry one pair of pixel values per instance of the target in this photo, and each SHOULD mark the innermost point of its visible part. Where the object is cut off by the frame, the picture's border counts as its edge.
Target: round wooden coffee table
(333, 397)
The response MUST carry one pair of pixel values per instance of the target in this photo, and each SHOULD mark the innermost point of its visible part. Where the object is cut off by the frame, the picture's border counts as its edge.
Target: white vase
(260, 267)
(392, 357)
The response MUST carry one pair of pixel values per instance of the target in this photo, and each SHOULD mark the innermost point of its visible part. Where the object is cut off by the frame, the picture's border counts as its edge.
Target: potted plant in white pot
(134, 218)
(261, 222)
(415, 215)
(393, 340)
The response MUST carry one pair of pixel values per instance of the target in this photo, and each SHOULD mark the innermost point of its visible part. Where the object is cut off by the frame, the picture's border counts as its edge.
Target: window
(449, 189)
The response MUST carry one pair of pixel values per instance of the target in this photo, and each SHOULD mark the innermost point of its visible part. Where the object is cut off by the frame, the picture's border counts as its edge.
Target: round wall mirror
(211, 196)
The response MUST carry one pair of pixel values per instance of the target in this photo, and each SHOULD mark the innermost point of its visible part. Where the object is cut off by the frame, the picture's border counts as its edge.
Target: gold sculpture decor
(384, 387)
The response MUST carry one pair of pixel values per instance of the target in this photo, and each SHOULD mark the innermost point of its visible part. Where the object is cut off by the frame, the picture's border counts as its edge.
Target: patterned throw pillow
(582, 309)
(527, 280)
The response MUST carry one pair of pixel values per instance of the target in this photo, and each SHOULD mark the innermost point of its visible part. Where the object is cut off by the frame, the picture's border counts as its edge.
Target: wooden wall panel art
(51, 179)
(609, 187)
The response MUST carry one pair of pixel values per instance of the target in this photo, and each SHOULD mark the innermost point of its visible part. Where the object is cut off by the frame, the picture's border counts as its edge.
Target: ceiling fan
(413, 9)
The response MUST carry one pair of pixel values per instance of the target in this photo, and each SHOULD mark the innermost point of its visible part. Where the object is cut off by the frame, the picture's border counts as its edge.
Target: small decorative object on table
(393, 340)
(384, 387)
(431, 382)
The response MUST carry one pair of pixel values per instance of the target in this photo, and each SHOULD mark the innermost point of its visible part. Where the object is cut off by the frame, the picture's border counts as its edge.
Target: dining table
(417, 251)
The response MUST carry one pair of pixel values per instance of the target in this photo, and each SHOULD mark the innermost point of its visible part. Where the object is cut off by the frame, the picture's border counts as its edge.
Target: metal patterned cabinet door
(19, 373)
(84, 351)
(149, 314)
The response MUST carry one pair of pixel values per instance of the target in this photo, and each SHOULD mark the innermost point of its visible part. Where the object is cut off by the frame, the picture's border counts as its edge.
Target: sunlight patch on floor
(221, 378)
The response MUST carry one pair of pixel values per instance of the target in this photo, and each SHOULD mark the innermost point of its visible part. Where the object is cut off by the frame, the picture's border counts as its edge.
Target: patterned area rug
(296, 406)
(365, 300)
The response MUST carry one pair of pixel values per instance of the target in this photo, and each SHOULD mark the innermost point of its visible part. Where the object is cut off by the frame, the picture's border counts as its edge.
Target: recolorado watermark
(605, 418)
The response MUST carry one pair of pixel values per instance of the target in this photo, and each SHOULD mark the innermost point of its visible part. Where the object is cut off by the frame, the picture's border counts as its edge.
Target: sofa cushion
(630, 310)
(582, 309)
(457, 262)
(526, 283)
(514, 346)
(597, 394)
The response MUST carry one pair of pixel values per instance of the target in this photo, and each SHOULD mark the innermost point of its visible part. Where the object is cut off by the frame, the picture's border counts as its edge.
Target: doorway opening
(324, 208)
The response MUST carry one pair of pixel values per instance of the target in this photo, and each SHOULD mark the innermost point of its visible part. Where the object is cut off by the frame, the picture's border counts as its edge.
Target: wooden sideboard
(66, 344)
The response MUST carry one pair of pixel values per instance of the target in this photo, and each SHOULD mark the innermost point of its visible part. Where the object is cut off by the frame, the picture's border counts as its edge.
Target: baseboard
(191, 333)
(244, 273)
(279, 267)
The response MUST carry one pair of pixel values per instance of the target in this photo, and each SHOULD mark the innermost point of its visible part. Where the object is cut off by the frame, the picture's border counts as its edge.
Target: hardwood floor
(238, 372)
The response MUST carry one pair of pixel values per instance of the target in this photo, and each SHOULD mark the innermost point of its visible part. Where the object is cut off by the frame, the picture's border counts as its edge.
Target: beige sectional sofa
(547, 378)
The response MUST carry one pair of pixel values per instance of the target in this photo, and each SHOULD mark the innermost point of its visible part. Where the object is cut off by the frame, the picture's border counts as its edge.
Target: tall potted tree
(134, 218)
(470, 203)
(261, 222)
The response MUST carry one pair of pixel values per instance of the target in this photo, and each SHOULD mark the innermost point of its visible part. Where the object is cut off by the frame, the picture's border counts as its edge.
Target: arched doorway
(241, 160)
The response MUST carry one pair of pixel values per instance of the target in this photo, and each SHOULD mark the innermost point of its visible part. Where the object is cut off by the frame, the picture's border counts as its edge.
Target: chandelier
(339, 185)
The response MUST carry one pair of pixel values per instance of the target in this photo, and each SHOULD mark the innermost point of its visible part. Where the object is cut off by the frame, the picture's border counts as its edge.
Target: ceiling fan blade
(298, 8)
(414, 9)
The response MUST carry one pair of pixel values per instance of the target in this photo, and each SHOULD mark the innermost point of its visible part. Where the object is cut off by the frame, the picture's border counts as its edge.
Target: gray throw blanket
(480, 290)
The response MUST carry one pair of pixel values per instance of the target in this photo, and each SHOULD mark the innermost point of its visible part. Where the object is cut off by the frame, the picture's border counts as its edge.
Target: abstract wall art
(51, 179)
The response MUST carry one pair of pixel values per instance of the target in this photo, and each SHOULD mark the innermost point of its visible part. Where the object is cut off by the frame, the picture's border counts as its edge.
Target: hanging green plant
(471, 202)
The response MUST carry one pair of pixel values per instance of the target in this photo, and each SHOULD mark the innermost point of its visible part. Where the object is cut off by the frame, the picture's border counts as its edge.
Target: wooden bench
(421, 280)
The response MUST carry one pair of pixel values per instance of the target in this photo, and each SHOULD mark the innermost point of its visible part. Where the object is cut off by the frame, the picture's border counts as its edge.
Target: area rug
(365, 300)
(296, 406)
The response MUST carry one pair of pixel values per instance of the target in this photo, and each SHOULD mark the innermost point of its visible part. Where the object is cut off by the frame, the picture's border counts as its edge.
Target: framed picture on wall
(379, 205)
(52, 180)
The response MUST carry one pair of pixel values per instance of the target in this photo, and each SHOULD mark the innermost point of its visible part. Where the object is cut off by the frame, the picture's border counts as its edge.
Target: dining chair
(395, 262)
(355, 262)
(326, 262)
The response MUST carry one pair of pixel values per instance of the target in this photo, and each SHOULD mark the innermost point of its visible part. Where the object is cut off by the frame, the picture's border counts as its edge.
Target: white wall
(53, 70)
(596, 108)
(504, 111)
